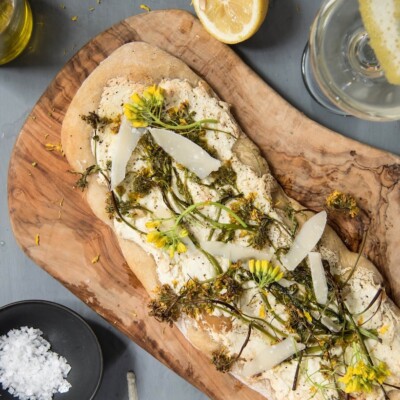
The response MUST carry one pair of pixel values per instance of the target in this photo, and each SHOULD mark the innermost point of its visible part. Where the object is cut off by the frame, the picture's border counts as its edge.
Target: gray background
(274, 53)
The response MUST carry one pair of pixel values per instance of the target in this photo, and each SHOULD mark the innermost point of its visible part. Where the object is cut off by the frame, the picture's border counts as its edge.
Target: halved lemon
(381, 19)
(231, 21)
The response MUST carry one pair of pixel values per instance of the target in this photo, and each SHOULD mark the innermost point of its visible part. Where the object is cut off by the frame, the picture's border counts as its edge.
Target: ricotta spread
(157, 211)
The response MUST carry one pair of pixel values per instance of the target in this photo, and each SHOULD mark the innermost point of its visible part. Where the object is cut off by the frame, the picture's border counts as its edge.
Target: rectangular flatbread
(261, 285)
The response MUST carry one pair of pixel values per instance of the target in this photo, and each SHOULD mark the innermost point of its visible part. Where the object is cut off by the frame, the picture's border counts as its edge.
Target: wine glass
(340, 68)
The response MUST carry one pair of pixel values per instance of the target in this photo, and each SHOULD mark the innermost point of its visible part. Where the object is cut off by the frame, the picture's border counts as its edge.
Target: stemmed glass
(340, 68)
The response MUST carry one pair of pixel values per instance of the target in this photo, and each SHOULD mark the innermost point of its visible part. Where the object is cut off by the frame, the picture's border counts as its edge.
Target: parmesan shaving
(318, 277)
(331, 325)
(121, 151)
(309, 235)
(271, 356)
(186, 152)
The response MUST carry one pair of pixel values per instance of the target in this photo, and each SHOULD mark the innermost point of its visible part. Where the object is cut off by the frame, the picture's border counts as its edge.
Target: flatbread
(146, 64)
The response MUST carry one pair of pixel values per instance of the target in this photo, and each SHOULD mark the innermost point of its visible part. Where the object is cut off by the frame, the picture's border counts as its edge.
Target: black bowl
(69, 335)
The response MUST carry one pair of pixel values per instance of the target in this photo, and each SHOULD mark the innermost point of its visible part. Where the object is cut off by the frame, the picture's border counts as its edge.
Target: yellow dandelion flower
(363, 376)
(171, 251)
(264, 272)
(137, 100)
(139, 123)
(252, 266)
(153, 224)
(153, 236)
(181, 248)
(183, 233)
(161, 242)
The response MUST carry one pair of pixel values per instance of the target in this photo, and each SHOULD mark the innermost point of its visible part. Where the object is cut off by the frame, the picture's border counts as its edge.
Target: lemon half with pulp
(231, 21)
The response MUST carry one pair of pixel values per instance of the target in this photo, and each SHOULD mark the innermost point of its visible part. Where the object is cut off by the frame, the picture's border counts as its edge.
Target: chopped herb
(222, 360)
(225, 176)
(344, 202)
(94, 120)
(82, 182)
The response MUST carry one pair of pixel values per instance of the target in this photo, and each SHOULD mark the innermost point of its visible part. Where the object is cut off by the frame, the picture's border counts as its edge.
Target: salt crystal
(28, 368)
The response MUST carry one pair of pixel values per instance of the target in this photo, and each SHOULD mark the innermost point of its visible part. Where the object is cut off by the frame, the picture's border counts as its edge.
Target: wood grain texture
(309, 161)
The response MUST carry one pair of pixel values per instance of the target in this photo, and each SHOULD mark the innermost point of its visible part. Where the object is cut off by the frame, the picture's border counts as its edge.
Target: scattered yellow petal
(261, 312)
(34, 164)
(383, 329)
(96, 259)
(74, 18)
(360, 320)
(37, 239)
(144, 7)
(175, 283)
(54, 147)
(61, 202)
(91, 8)
(308, 316)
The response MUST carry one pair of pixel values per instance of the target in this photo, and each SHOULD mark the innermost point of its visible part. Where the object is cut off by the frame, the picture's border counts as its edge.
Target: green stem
(210, 203)
(182, 127)
(213, 229)
(269, 308)
(263, 321)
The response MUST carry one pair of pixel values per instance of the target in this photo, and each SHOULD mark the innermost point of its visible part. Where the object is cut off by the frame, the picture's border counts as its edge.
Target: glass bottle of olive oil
(15, 28)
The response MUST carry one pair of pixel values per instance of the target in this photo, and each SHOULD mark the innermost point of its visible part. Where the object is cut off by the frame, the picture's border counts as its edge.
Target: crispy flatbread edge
(144, 63)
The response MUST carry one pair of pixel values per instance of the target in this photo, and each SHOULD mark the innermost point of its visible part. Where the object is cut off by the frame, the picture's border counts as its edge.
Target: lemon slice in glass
(381, 19)
(231, 21)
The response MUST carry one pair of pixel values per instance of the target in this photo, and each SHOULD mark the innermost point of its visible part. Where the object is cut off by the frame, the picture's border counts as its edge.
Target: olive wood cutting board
(308, 160)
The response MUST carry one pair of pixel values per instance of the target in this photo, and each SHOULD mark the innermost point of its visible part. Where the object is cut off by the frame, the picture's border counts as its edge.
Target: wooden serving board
(309, 161)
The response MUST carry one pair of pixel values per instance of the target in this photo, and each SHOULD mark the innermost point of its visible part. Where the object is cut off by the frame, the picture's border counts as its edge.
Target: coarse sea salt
(28, 368)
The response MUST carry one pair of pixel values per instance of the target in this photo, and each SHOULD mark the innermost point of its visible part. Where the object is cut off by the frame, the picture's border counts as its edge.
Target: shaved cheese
(186, 152)
(332, 326)
(121, 150)
(309, 235)
(318, 277)
(271, 356)
(285, 283)
(235, 252)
